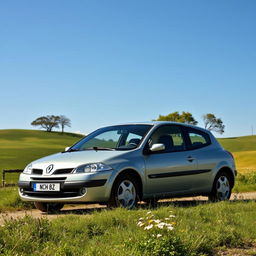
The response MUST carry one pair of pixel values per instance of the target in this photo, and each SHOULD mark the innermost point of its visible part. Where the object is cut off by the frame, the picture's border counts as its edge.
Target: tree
(47, 122)
(212, 123)
(187, 118)
(184, 117)
(64, 121)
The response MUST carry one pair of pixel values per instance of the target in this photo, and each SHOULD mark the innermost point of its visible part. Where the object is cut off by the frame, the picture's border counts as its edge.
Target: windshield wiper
(94, 148)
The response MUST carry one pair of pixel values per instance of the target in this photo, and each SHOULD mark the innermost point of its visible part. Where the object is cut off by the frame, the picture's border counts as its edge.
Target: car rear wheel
(48, 207)
(221, 188)
(124, 192)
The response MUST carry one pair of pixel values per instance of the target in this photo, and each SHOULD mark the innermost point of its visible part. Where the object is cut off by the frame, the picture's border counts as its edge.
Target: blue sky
(108, 62)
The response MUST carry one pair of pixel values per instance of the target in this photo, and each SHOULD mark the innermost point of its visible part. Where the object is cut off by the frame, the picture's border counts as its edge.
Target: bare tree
(64, 121)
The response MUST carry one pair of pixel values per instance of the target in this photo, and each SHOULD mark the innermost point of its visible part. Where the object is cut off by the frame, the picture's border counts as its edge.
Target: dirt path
(87, 209)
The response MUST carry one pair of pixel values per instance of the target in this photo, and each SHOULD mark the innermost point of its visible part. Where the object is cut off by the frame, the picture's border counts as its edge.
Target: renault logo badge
(49, 168)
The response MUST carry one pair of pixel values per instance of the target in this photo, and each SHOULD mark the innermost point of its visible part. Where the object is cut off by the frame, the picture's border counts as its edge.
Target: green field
(19, 147)
(238, 144)
(244, 151)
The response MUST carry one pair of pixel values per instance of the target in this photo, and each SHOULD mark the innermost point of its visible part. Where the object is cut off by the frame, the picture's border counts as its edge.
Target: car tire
(48, 207)
(125, 192)
(222, 188)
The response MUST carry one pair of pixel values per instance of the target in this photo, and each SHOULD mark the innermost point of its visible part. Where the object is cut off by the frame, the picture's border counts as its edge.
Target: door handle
(190, 158)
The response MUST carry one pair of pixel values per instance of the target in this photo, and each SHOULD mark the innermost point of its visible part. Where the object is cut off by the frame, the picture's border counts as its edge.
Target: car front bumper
(74, 188)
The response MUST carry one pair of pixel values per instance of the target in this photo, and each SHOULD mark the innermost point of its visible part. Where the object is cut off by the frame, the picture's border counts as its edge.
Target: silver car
(123, 164)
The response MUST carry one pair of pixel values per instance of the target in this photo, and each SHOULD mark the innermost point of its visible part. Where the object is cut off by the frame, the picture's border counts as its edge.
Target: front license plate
(46, 186)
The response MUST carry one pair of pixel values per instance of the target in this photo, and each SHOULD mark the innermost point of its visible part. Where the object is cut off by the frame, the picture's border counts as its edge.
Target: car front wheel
(124, 192)
(221, 188)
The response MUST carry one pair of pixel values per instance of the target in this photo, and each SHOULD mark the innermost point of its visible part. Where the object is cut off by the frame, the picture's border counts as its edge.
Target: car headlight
(28, 169)
(91, 168)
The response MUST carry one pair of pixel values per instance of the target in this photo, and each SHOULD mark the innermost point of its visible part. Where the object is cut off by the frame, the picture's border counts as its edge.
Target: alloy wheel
(223, 188)
(126, 194)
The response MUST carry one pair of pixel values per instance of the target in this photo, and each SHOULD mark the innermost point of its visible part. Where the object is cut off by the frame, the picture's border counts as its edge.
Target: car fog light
(21, 190)
(83, 191)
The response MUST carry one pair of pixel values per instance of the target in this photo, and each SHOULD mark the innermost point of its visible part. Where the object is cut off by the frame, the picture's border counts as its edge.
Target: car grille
(37, 171)
(58, 171)
(63, 171)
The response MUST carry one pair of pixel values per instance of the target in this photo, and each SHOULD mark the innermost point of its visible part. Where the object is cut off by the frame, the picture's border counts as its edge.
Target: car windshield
(120, 137)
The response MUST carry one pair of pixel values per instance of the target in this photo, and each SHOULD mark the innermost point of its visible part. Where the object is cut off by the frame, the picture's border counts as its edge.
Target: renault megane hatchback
(122, 164)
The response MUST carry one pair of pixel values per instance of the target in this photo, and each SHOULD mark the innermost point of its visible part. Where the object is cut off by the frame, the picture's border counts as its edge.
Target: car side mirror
(157, 147)
(67, 149)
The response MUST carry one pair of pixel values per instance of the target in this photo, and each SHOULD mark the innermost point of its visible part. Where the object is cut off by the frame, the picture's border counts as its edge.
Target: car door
(169, 170)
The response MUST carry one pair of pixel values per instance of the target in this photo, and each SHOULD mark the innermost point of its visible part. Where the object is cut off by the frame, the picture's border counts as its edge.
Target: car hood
(74, 159)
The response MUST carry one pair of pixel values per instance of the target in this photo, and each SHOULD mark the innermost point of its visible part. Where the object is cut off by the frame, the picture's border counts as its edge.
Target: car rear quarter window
(198, 139)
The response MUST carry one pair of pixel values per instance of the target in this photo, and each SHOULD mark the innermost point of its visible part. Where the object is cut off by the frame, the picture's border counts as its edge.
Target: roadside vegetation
(10, 200)
(174, 229)
(245, 182)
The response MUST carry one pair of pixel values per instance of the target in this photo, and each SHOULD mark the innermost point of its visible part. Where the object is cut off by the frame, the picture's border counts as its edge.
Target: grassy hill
(244, 151)
(238, 144)
(20, 147)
